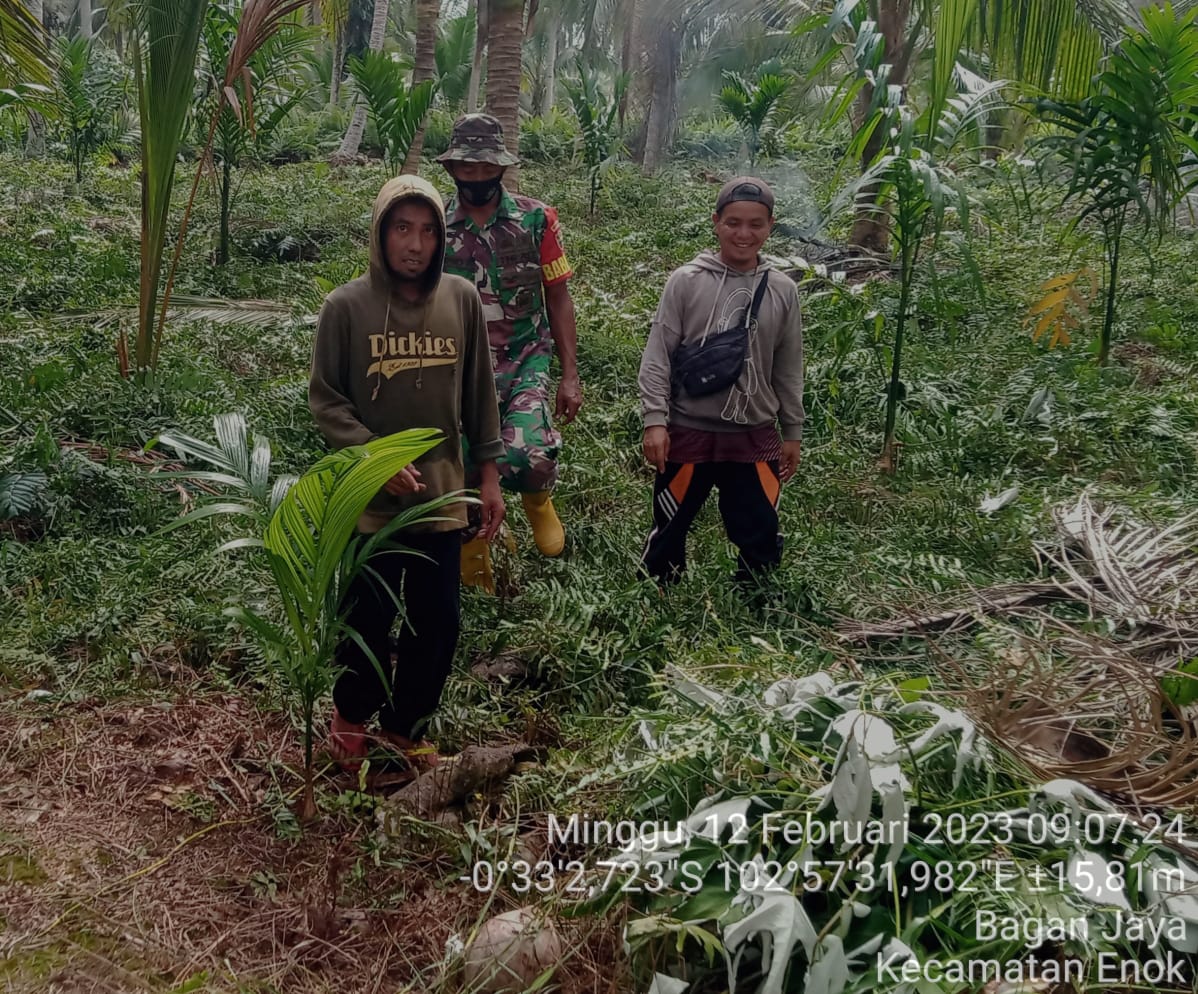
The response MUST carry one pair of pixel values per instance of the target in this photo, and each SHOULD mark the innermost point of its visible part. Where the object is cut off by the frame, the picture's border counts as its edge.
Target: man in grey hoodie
(729, 439)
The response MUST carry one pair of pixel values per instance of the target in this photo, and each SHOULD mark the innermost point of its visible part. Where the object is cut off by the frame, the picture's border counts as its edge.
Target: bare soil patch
(148, 846)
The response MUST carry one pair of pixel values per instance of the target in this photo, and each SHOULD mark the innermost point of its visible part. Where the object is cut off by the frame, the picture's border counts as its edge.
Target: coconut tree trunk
(871, 228)
(357, 125)
(663, 96)
(482, 23)
(35, 138)
(427, 12)
(504, 37)
(549, 65)
(338, 65)
(630, 50)
(85, 19)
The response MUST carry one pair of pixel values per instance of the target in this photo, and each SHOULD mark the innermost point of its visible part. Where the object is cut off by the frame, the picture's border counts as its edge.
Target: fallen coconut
(510, 952)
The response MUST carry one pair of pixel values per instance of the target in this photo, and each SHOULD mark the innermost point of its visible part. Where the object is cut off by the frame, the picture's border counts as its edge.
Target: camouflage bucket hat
(477, 138)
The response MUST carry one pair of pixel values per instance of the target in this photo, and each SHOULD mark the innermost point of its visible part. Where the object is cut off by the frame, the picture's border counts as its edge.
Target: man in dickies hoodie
(405, 346)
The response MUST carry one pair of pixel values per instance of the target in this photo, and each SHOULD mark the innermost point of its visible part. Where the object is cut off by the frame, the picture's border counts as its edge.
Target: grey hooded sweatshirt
(705, 298)
(382, 363)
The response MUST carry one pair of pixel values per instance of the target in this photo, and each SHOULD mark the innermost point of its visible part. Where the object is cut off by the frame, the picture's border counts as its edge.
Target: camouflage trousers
(530, 442)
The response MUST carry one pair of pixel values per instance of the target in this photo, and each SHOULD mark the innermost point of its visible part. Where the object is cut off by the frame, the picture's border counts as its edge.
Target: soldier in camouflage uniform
(510, 247)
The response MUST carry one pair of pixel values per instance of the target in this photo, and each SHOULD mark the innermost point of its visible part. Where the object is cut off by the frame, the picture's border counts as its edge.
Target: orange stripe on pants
(682, 480)
(769, 482)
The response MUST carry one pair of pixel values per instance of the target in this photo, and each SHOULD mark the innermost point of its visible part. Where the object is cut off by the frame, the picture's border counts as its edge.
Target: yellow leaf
(1063, 304)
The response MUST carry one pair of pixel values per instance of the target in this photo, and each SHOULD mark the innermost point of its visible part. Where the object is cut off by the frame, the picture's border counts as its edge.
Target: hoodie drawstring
(427, 331)
(716, 301)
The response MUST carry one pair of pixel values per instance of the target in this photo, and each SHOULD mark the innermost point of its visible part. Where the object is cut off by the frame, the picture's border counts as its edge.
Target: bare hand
(569, 399)
(656, 445)
(789, 461)
(493, 509)
(406, 481)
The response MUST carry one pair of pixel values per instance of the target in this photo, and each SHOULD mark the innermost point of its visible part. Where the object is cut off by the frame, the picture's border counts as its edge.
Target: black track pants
(748, 504)
(428, 635)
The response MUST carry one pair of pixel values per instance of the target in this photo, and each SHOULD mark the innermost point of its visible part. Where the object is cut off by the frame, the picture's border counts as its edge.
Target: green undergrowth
(94, 599)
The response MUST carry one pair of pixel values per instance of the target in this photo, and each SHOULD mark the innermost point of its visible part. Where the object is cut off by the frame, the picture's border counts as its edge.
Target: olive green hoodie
(382, 363)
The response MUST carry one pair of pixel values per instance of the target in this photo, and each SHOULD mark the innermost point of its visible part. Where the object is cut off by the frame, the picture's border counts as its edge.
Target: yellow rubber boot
(547, 530)
(476, 565)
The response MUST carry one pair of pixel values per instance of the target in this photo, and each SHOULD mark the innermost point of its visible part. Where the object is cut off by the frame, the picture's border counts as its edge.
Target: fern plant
(597, 121)
(396, 108)
(753, 104)
(305, 528)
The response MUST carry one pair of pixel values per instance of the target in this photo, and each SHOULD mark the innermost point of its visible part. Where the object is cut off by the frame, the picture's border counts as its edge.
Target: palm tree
(85, 19)
(357, 125)
(306, 528)
(482, 21)
(664, 32)
(1052, 45)
(166, 40)
(455, 58)
(23, 55)
(505, 37)
(334, 16)
(427, 14)
(35, 142)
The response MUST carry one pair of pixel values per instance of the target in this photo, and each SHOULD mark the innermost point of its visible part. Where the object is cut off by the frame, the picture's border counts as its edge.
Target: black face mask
(479, 192)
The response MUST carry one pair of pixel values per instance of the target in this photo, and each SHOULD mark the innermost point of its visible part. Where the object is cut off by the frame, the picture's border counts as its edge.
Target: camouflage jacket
(510, 260)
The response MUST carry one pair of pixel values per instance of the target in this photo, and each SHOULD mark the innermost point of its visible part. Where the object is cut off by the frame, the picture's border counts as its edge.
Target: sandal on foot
(347, 743)
(421, 756)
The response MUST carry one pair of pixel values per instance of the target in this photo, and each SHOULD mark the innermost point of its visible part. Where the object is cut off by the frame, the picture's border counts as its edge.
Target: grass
(113, 620)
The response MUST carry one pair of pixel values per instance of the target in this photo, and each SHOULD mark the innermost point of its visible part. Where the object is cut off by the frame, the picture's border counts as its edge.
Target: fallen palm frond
(1127, 571)
(1121, 570)
(1108, 703)
(214, 310)
(1074, 704)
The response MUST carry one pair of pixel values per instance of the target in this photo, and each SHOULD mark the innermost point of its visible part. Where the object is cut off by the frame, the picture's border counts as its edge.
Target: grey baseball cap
(748, 188)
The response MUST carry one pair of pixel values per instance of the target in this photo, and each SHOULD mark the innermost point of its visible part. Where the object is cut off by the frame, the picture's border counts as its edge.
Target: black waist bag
(702, 368)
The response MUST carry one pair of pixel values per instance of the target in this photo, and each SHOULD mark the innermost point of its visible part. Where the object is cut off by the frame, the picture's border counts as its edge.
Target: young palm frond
(455, 57)
(396, 109)
(260, 21)
(24, 58)
(753, 104)
(165, 41)
(597, 122)
(307, 528)
(1125, 143)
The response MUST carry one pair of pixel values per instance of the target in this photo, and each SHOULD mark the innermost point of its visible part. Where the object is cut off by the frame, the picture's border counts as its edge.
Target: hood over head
(393, 191)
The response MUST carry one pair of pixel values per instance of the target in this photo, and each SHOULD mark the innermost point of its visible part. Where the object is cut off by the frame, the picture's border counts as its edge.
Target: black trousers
(748, 504)
(428, 589)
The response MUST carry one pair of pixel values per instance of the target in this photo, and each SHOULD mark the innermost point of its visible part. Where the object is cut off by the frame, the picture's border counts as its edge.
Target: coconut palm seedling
(249, 110)
(307, 535)
(81, 100)
(597, 123)
(1125, 143)
(396, 108)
